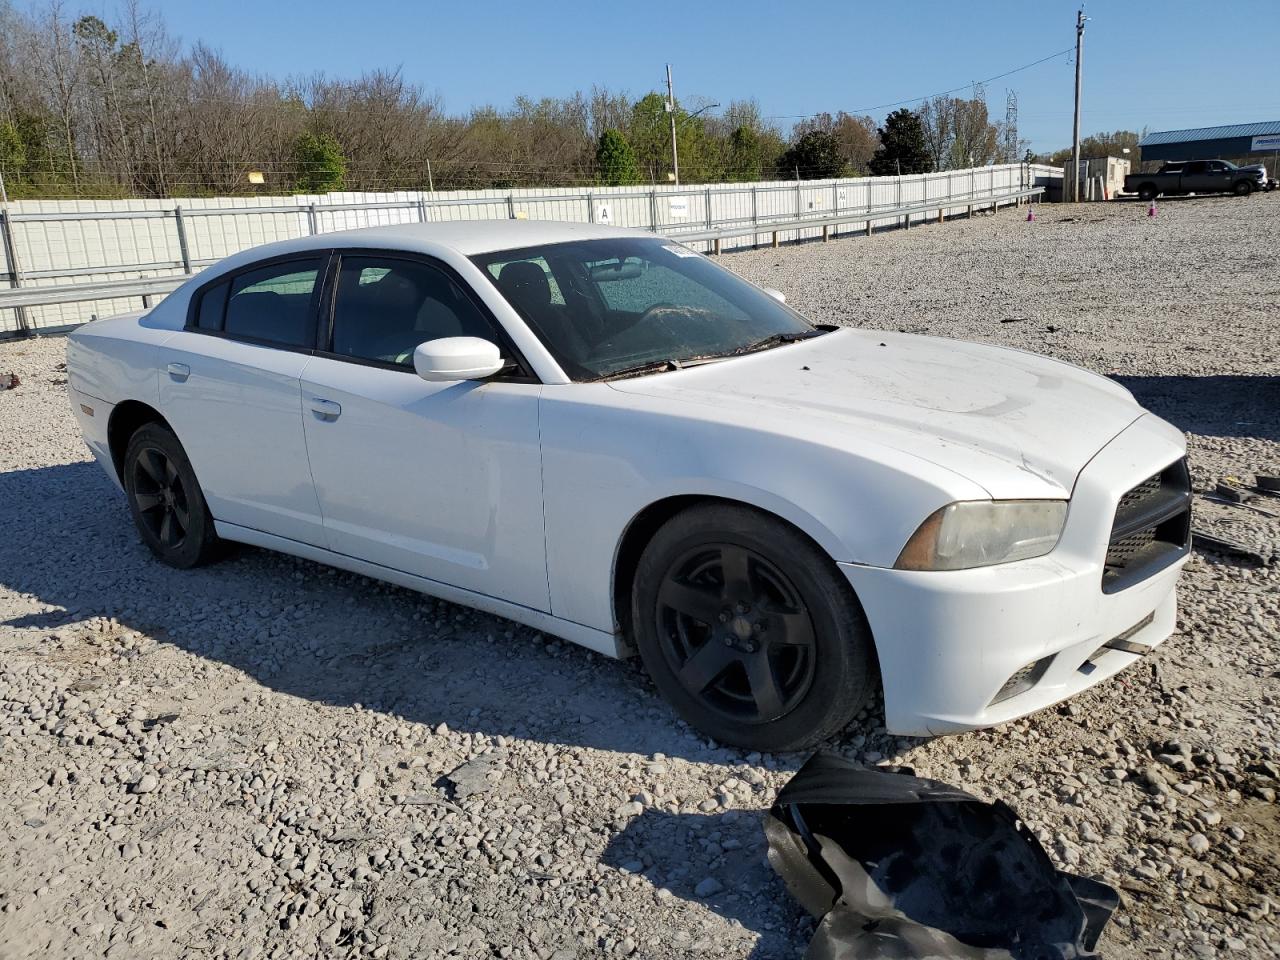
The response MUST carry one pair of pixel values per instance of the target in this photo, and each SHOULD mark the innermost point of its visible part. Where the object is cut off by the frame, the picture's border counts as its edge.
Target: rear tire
(750, 631)
(1147, 192)
(1242, 188)
(165, 499)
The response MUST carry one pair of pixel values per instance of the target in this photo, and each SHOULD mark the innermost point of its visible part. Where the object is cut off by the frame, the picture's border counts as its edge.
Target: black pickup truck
(1197, 176)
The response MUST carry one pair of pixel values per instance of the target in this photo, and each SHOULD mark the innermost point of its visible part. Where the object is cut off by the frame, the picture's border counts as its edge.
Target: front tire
(165, 500)
(1147, 192)
(1243, 188)
(749, 630)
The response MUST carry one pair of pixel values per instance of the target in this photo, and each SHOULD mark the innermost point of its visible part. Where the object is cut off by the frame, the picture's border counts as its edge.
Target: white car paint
(514, 497)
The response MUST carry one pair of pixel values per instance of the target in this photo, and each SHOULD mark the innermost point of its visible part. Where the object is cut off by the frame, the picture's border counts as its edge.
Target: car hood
(1015, 423)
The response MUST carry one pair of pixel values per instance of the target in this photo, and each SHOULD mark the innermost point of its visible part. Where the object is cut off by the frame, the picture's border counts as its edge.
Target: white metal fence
(57, 243)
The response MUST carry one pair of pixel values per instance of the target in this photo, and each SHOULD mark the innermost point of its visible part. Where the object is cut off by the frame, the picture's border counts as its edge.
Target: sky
(1162, 66)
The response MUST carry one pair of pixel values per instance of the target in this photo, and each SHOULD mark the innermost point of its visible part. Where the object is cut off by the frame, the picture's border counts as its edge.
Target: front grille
(1152, 528)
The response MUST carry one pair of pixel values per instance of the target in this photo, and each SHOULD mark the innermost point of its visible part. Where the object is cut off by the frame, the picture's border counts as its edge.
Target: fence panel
(61, 242)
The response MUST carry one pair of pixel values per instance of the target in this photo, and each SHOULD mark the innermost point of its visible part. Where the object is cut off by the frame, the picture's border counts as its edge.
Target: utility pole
(671, 111)
(1075, 134)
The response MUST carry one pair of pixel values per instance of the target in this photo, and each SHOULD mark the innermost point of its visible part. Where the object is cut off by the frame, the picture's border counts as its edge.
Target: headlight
(978, 533)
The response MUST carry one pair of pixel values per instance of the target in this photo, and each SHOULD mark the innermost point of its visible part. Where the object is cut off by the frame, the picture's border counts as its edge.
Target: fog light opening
(1023, 680)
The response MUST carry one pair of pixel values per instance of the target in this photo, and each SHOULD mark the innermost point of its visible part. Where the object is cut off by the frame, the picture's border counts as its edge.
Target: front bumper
(948, 642)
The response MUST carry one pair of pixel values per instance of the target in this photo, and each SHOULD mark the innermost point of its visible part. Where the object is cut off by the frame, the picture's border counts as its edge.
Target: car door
(1219, 175)
(1196, 177)
(440, 480)
(229, 388)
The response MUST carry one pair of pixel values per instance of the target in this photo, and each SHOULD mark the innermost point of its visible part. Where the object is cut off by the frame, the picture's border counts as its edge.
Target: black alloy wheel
(160, 497)
(736, 632)
(165, 499)
(750, 630)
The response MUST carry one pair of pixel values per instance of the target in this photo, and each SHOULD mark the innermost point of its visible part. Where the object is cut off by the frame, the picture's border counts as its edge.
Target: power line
(941, 93)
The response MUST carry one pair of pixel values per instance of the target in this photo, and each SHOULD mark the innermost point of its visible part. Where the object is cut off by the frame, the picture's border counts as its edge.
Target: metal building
(1249, 142)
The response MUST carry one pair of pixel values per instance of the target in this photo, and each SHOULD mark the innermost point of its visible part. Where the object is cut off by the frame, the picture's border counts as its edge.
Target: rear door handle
(326, 409)
(179, 371)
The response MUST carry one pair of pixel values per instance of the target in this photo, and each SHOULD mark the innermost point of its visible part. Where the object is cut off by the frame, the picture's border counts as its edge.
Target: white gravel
(271, 758)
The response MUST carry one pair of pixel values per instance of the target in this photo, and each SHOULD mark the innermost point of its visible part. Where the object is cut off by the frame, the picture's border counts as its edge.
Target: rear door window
(275, 304)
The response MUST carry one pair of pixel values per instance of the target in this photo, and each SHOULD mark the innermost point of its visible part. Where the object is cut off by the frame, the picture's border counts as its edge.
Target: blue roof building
(1211, 143)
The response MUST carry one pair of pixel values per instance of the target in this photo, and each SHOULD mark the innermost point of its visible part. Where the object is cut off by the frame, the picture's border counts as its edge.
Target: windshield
(608, 307)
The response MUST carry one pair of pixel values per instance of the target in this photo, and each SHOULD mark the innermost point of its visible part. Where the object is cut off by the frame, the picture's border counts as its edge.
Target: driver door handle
(327, 410)
(178, 371)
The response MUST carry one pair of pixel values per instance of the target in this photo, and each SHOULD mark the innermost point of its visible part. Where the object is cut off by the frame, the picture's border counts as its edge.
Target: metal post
(591, 209)
(313, 222)
(710, 226)
(422, 210)
(511, 206)
(1075, 126)
(869, 204)
(835, 204)
(799, 211)
(653, 210)
(431, 181)
(755, 218)
(182, 239)
(671, 111)
(15, 269)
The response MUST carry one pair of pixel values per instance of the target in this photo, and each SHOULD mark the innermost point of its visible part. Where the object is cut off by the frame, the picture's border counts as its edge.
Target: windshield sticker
(681, 251)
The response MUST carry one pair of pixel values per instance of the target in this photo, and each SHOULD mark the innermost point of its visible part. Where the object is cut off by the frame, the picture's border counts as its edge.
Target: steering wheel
(654, 308)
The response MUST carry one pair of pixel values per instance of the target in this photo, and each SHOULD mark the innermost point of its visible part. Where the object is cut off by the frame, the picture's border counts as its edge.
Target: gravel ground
(271, 758)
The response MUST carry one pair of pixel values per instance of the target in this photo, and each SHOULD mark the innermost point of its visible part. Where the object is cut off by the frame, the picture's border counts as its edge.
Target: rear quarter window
(210, 307)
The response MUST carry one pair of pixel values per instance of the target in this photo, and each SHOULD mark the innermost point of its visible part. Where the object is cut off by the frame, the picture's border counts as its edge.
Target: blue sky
(1162, 66)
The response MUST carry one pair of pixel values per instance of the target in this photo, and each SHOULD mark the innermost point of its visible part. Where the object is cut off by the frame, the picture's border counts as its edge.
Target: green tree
(615, 160)
(902, 146)
(651, 140)
(1103, 145)
(320, 164)
(815, 156)
(13, 152)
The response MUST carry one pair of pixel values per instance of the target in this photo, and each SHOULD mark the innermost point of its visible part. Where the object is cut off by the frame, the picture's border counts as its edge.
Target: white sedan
(606, 436)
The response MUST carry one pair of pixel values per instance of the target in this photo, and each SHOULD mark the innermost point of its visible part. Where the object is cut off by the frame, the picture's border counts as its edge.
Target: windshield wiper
(775, 340)
(661, 366)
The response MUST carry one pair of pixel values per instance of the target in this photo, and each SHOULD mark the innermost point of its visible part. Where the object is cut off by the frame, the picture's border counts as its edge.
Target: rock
(147, 783)
(478, 775)
(631, 808)
(1198, 843)
(1154, 780)
(708, 887)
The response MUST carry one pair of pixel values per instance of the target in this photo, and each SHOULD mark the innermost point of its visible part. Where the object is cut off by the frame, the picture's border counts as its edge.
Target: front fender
(609, 456)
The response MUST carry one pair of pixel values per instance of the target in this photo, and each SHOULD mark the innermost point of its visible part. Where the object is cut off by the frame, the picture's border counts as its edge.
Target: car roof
(466, 237)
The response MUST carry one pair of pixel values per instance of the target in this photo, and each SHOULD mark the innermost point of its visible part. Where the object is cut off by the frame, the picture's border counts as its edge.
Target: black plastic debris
(1203, 540)
(898, 867)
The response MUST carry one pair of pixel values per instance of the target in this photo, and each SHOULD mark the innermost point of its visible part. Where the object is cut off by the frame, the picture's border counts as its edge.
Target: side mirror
(776, 294)
(456, 358)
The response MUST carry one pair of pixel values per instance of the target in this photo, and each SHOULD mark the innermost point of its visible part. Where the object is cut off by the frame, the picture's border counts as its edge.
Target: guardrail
(21, 297)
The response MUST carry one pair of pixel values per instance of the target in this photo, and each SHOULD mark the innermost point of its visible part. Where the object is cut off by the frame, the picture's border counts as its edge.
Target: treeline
(93, 108)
